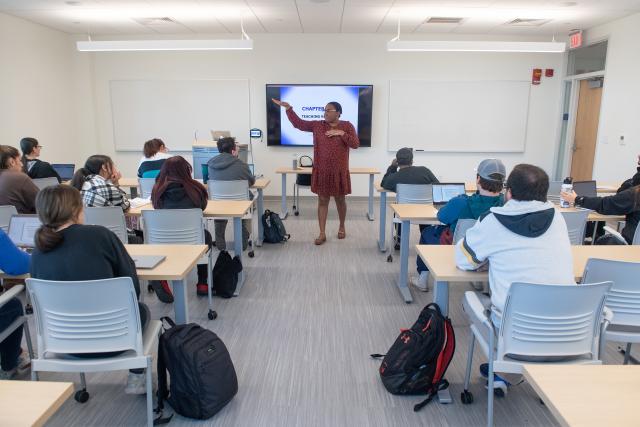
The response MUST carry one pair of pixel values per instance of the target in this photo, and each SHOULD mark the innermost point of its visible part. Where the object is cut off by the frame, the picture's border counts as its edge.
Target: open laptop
(147, 262)
(65, 170)
(444, 192)
(22, 230)
(585, 188)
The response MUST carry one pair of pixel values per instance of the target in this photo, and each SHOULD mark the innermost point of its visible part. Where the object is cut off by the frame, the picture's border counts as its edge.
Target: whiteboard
(465, 116)
(176, 111)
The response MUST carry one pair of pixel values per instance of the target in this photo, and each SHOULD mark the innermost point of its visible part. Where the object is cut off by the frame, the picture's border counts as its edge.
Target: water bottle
(567, 187)
(295, 161)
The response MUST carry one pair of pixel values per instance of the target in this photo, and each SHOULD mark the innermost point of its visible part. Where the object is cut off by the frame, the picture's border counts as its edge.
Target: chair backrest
(414, 193)
(166, 226)
(111, 217)
(90, 316)
(461, 228)
(636, 237)
(6, 212)
(45, 182)
(576, 225)
(146, 187)
(553, 194)
(624, 296)
(228, 190)
(552, 320)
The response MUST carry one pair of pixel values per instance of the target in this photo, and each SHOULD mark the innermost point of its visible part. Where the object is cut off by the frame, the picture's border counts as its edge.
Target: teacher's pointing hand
(286, 105)
(334, 132)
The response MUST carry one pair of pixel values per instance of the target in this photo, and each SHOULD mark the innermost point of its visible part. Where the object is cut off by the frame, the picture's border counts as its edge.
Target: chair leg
(627, 354)
(149, 373)
(83, 381)
(467, 375)
(27, 335)
(34, 374)
(490, 395)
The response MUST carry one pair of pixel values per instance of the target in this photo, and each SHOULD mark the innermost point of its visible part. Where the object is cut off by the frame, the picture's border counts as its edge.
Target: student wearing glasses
(33, 166)
(332, 139)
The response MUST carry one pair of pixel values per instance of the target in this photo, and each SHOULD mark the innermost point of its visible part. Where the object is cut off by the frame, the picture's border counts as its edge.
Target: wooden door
(584, 144)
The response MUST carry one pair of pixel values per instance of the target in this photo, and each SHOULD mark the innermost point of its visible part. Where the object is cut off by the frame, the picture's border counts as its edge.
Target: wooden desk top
(441, 261)
(31, 403)
(215, 208)
(307, 171)
(181, 259)
(260, 183)
(566, 391)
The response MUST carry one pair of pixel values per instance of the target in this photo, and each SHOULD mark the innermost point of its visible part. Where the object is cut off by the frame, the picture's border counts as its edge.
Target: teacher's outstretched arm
(297, 122)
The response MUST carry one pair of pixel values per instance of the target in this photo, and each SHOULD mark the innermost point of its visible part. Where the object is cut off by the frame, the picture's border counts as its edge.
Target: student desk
(31, 403)
(307, 171)
(426, 213)
(259, 186)
(440, 259)
(588, 395)
(235, 209)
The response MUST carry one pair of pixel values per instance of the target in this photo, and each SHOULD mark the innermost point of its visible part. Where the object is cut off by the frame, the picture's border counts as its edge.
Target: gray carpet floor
(300, 335)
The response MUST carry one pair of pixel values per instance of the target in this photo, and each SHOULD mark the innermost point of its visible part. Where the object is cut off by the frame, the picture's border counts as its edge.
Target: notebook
(147, 262)
(65, 170)
(22, 230)
(585, 188)
(444, 192)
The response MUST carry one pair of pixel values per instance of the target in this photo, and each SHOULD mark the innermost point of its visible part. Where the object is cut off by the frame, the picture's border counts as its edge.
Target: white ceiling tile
(320, 17)
(363, 18)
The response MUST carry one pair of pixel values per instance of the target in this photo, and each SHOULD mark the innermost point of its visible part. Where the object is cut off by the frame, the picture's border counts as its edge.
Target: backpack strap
(433, 391)
(377, 355)
(162, 384)
(169, 321)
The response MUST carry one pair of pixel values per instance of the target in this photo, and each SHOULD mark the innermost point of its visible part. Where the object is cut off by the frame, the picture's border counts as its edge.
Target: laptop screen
(585, 188)
(64, 170)
(22, 230)
(442, 193)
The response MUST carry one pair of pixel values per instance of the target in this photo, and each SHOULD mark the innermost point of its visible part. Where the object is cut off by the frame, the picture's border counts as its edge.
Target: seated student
(226, 166)
(15, 262)
(98, 183)
(175, 189)
(33, 166)
(489, 179)
(155, 153)
(633, 181)
(16, 188)
(97, 253)
(526, 240)
(402, 171)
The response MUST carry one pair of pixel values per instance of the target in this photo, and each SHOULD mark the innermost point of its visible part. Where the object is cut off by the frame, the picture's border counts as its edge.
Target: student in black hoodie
(33, 166)
(68, 250)
(175, 189)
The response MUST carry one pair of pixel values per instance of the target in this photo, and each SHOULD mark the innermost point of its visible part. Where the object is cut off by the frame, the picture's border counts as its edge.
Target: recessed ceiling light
(320, 1)
(72, 3)
(568, 3)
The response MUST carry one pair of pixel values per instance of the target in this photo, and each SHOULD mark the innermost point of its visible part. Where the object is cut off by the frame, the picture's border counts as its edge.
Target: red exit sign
(575, 39)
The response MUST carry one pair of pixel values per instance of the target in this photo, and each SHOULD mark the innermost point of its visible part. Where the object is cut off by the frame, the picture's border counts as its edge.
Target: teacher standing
(330, 177)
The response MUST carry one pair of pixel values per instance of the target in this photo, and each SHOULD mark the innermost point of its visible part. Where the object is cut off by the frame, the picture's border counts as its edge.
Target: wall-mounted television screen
(308, 101)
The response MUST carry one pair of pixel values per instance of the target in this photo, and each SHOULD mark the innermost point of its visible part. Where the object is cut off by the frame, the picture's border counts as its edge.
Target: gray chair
(461, 228)
(6, 212)
(45, 182)
(179, 226)
(618, 236)
(623, 299)
(233, 190)
(409, 194)
(110, 217)
(576, 225)
(553, 194)
(146, 187)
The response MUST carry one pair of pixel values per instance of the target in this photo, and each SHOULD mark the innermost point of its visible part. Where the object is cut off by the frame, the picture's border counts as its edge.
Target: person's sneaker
(420, 281)
(162, 290)
(7, 375)
(136, 384)
(24, 361)
(500, 385)
(202, 289)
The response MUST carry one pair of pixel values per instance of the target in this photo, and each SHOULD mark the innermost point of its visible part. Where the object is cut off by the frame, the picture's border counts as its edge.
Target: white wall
(620, 110)
(39, 86)
(334, 58)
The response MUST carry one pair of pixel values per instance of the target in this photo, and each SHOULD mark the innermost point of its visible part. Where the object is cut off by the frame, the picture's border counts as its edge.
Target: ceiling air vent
(443, 20)
(519, 22)
(155, 21)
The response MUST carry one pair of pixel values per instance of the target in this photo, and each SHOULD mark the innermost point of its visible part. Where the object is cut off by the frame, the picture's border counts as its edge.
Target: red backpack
(418, 359)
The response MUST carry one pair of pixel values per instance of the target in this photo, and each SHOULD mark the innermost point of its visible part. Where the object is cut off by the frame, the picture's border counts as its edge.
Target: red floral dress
(330, 175)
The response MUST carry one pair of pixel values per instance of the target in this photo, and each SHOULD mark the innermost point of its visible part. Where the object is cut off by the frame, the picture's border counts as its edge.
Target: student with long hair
(97, 182)
(155, 153)
(175, 189)
(16, 188)
(95, 251)
(33, 166)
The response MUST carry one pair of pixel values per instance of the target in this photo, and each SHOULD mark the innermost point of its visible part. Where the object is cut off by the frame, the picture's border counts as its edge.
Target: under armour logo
(405, 338)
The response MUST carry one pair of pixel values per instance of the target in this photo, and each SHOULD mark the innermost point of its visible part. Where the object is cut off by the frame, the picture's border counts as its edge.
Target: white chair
(560, 324)
(110, 217)
(461, 228)
(45, 182)
(576, 224)
(179, 226)
(146, 187)
(623, 299)
(410, 194)
(92, 316)
(234, 190)
(618, 236)
(6, 212)
(553, 193)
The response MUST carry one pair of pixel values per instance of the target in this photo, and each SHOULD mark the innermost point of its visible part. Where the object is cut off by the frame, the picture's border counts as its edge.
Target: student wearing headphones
(33, 166)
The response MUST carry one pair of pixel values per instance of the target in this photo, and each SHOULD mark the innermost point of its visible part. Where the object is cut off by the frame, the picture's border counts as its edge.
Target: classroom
(319, 212)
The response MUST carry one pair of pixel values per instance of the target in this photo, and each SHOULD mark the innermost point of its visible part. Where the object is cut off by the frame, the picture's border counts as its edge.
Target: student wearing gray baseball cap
(490, 177)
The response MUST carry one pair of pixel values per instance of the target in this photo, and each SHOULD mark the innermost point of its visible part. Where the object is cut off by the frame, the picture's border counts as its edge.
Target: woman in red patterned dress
(330, 177)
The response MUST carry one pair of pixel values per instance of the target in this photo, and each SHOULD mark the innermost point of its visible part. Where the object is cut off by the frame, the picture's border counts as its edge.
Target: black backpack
(225, 274)
(274, 231)
(203, 379)
(418, 359)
